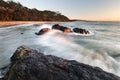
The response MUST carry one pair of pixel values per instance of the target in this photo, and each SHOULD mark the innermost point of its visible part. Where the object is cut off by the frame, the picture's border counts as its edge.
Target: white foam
(118, 45)
(1, 76)
(61, 45)
(73, 33)
(45, 26)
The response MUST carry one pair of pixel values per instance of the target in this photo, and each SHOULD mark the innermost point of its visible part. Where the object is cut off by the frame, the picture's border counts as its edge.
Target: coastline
(12, 23)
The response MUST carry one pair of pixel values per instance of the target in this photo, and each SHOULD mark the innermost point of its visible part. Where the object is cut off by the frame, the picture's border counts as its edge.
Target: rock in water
(42, 31)
(77, 30)
(61, 28)
(28, 64)
(56, 26)
(81, 31)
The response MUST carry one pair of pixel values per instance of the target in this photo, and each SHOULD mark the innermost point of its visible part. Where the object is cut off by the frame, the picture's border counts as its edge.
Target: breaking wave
(60, 44)
(99, 48)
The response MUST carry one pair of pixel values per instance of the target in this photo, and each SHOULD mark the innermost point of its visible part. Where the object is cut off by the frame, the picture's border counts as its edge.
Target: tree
(11, 10)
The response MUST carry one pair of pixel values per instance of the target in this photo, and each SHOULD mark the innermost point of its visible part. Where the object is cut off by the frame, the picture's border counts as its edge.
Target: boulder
(1, 79)
(81, 31)
(85, 31)
(42, 31)
(28, 64)
(56, 26)
(65, 29)
(61, 28)
(76, 30)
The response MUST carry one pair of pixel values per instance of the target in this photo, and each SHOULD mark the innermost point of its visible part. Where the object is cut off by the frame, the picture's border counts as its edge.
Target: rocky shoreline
(29, 64)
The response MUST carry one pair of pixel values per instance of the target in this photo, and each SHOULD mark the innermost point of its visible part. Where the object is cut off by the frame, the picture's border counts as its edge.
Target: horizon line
(94, 20)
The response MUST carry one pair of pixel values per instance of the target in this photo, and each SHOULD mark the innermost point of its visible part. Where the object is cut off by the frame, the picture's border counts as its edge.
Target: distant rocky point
(29, 64)
(12, 11)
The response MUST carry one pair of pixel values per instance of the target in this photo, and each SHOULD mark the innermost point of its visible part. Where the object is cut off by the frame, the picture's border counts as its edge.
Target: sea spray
(101, 49)
(61, 45)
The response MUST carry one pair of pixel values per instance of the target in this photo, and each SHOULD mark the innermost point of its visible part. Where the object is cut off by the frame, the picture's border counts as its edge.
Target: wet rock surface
(81, 31)
(63, 29)
(42, 31)
(28, 64)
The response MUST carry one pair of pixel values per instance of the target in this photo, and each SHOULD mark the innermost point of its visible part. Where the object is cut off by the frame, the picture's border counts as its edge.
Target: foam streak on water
(100, 48)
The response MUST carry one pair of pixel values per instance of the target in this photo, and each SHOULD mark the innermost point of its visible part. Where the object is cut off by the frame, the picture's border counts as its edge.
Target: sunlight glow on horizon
(107, 16)
(100, 10)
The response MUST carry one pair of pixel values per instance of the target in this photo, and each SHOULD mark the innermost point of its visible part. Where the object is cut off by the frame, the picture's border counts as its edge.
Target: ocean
(101, 48)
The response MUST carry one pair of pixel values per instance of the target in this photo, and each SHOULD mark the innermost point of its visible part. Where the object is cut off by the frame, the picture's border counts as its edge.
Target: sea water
(101, 48)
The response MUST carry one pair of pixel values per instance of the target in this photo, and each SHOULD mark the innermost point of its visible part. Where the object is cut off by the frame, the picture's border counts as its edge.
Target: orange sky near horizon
(110, 16)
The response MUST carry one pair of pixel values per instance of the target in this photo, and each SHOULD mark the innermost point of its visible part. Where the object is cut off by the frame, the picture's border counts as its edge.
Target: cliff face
(28, 64)
(11, 11)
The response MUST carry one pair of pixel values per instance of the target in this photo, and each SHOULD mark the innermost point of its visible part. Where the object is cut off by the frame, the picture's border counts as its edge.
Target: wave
(72, 33)
(78, 34)
(59, 44)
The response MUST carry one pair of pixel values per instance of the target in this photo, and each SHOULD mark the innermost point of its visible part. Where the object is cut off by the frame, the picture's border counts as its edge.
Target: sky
(99, 10)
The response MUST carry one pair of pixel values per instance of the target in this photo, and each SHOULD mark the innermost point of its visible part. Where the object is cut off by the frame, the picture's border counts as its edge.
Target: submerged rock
(28, 64)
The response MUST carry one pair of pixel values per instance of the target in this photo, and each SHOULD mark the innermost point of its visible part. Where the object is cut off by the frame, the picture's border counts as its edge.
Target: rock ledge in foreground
(28, 64)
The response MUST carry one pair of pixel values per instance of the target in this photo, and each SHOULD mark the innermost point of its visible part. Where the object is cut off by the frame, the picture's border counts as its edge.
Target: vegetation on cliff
(12, 11)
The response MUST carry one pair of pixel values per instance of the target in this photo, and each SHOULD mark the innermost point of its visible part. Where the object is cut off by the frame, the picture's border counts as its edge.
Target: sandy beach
(11, 23)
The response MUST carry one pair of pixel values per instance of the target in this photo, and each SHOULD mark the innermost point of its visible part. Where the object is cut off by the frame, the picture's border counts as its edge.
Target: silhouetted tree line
(12, 11)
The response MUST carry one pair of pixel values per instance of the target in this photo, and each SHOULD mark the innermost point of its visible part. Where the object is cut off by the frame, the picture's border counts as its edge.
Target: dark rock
(1, 78)
(22, 33)
(28, 64)
(81, 31)
(61, 28)
(65, 29)
(56, 26)
(42, 31)
(76, 30)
